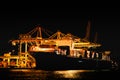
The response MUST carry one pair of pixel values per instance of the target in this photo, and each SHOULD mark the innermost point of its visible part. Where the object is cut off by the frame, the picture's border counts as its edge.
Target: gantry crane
(33, 37)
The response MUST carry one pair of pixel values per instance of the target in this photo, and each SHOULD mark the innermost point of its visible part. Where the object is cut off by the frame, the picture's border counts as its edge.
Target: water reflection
(71, 73)
(29, 74)
(32, 74)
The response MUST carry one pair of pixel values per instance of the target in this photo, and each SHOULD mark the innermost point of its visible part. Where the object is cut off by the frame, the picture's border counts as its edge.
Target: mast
(95, 39)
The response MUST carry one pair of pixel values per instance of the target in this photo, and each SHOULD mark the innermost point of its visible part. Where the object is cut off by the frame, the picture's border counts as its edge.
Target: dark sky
(104, 21)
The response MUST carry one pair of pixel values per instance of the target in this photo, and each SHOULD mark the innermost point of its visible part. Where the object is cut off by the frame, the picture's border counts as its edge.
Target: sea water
(33, 74)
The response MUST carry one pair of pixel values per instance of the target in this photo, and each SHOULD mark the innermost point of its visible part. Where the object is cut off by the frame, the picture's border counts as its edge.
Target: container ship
(57, 51)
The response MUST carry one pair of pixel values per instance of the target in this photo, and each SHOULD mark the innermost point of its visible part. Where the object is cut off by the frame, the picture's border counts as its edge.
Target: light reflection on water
(71, 73)
(32, 74)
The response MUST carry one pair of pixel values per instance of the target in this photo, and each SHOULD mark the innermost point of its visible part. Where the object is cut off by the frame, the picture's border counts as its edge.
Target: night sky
(104, 21)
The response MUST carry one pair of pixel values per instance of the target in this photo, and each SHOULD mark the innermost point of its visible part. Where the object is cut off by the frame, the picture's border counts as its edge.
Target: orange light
(39, 49)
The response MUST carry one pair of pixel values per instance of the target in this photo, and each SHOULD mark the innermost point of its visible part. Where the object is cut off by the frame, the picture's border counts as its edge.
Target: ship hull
(52, 61)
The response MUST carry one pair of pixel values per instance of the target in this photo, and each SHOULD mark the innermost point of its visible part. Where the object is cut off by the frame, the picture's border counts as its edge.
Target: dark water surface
(33, 74)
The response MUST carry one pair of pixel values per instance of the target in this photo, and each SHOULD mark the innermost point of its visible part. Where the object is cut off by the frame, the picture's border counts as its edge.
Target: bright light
(39, 49)
(71, 73)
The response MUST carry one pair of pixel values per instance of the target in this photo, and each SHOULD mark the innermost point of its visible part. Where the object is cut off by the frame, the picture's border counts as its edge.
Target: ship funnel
(87, 36)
